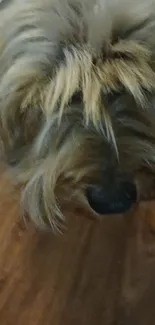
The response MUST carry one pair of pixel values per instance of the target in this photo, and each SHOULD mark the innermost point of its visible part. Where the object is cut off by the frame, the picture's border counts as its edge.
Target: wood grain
(98, 272)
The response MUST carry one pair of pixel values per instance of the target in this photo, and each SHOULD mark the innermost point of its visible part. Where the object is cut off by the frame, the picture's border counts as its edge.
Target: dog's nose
(113, 201)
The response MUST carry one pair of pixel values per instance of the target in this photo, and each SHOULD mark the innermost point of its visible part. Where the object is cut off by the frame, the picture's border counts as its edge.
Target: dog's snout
(115, 200)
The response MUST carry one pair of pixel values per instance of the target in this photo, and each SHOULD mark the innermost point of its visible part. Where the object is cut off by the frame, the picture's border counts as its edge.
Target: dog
(77, 104)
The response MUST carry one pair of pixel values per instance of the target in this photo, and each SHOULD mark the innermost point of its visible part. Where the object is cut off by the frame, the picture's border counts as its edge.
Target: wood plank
(98, 272)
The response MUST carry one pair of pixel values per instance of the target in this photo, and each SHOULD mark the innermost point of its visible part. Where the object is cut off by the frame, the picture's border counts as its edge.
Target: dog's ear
(22, 78)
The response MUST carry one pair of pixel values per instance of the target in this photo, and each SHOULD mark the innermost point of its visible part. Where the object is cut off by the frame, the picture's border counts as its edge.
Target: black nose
(117, 200)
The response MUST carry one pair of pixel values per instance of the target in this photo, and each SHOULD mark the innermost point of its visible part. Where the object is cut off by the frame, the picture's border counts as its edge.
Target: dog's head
(77, 110)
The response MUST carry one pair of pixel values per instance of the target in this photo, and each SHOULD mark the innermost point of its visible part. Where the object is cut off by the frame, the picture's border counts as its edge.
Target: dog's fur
(77, 98)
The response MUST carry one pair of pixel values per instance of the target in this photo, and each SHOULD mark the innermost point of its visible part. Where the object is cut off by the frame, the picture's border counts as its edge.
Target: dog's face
(77, 110)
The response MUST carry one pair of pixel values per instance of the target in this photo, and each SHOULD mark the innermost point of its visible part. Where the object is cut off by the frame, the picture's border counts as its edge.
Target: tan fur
(52, 51)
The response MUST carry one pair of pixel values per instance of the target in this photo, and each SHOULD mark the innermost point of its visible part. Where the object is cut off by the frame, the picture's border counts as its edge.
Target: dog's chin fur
(77, 98)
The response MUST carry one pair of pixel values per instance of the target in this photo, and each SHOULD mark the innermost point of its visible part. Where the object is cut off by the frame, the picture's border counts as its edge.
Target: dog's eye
(77, 98)
(111, 97)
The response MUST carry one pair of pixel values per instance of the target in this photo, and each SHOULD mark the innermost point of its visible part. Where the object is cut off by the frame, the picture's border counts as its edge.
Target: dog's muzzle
(112, 201)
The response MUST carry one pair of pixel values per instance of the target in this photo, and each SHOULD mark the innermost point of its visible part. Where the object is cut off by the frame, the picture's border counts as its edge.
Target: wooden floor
(97, 273)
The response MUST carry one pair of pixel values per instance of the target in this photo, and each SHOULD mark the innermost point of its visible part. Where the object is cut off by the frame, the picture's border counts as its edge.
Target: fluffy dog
(77, 103)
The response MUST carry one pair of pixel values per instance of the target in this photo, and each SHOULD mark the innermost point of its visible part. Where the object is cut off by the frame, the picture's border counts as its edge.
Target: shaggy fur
(77, 98)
